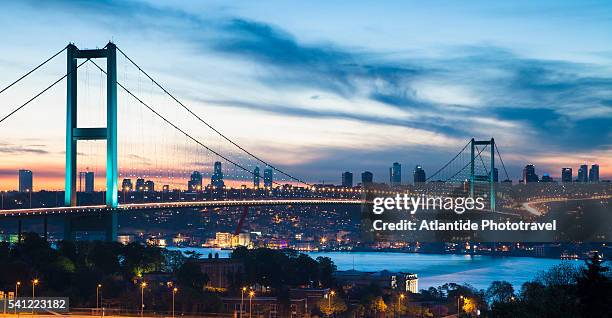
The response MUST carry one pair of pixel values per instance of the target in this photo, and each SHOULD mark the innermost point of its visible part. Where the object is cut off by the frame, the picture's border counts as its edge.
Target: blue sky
(325, 86)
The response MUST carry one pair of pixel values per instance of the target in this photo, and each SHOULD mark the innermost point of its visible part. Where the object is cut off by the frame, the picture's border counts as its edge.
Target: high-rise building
(25, 180)
(583, 173)
(367, 177)
(268, 178)
(395, 174)
(495, 175)
(140, 185)
(216, 180)
(86, 181)
(566, 175)
(256, 175)
(195, 182)
(529, 174)
(594, 173)
(347, 179)
(126, 185)
(419, 174)
(150, 186)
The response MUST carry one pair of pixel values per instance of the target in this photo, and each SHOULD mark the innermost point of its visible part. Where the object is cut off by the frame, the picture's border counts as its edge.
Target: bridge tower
(108, 133)
(491, 177)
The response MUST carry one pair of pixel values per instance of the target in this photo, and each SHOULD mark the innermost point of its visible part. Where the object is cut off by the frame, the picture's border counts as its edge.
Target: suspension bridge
(177, 143)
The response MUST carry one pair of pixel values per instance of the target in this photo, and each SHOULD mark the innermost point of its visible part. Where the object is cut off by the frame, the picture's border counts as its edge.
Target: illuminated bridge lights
(157, 205)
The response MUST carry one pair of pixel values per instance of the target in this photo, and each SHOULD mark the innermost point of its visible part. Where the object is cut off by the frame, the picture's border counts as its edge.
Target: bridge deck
(166, 205)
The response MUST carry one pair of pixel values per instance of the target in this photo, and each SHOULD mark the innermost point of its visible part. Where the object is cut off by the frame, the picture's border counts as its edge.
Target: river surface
(435, 269)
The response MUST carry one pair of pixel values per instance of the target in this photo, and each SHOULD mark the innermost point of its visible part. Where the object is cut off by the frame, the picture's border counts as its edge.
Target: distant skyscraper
(419, 174)
(347, 179)
(86, 181)
(594, 173)
(395, 174)
(150, 186)
(126, 185)
(495, 175)
(529, 174)
(195, 181)
(367, 177)
(566, 175)
(268, 178)
(256, 175)
(25, 180)
(140, 185)
(583, 173)
(216, 180)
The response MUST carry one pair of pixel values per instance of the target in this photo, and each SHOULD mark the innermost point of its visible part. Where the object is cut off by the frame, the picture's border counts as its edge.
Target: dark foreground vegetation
(75, 269)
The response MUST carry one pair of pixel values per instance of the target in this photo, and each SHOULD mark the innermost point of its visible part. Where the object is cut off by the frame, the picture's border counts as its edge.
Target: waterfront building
(367, 177)
(566, 175)
(268, 178)
(347, 179)
(25, 180)
(140, 184)
(529, 174)
(395, 174)
(195, 182)
(126, 185)
(86, 181)
(256, 175)
(216, 179)
(419, 174)
(583, 173)
(594, 173)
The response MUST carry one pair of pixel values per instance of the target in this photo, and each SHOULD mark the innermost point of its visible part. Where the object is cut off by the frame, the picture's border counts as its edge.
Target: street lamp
(17, 284)
(98, 296)
(399, 304)
(174, 290)
(35, 282)
(242, 300)
(142, 287)
(251, 294)
(459, 308)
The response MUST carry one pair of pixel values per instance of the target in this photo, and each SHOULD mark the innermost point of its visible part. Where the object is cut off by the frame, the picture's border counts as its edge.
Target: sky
(320, 87)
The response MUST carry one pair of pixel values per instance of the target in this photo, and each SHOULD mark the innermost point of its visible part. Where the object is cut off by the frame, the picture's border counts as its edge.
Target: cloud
(11, 149)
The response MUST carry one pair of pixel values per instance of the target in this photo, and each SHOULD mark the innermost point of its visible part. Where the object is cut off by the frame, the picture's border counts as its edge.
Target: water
(435, 269)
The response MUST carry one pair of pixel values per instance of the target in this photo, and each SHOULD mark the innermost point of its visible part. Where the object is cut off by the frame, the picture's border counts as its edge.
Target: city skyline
(196, 181)
(242, 65)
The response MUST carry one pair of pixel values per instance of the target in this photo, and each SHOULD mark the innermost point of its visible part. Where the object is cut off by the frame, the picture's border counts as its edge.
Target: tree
(326, 271)
(332, 306)
(190, 275)
(469, 305)
(500, 291)
(594, 288)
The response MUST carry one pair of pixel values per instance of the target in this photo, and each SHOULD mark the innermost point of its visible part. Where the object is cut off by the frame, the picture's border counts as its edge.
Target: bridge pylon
(108, 133)
(491, 177)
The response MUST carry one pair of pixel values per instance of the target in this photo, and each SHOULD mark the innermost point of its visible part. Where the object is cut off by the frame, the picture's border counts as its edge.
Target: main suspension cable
(209, 125)
(33, 70)
(41, 92)
(448, 163)
(180, 129)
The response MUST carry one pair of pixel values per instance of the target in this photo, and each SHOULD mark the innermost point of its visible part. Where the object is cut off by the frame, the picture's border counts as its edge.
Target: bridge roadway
(167, 205)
